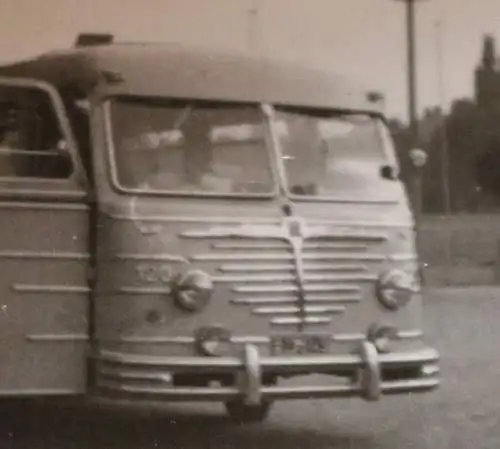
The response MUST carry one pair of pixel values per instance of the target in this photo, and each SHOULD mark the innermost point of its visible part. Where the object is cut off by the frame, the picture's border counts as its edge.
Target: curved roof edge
(178, 70)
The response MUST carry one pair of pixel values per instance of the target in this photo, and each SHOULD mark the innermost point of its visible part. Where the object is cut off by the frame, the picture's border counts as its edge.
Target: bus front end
(244, 248)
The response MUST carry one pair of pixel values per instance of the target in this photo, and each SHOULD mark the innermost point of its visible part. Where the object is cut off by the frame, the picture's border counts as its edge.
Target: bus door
(44, 252)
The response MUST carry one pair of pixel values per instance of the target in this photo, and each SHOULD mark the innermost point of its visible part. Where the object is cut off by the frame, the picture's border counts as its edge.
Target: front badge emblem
(295, 228)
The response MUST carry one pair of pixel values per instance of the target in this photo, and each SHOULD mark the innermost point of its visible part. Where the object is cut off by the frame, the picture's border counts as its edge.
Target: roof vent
(93, 39)
(374, 97)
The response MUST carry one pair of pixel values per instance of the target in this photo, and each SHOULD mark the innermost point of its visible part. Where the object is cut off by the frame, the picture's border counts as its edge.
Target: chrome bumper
(152, 376)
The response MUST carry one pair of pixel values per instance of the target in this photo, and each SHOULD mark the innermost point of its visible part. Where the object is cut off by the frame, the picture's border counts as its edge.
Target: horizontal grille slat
(308, 267)
(287, 257)
(249, 246)
(277, 233)
(295, 309)
(291, 278)
(291, 320)
(336, 299)
(256, 278)
(295, 289)
(279, 245)
(253, 268)
(214, 257)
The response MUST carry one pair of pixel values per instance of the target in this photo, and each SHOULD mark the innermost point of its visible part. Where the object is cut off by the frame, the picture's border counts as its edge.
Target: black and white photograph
(249, 224)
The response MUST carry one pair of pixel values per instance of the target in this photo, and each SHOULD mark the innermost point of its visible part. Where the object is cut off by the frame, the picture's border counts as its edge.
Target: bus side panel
(44, 298)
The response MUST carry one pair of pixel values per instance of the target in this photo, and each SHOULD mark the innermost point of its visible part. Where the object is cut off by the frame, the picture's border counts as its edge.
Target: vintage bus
(184, 225)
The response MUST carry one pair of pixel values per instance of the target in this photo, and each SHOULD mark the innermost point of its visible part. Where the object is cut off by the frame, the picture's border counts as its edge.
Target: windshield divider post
(276, 147)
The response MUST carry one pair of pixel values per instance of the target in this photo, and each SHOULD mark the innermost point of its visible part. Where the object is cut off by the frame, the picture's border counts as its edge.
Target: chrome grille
(261, 273)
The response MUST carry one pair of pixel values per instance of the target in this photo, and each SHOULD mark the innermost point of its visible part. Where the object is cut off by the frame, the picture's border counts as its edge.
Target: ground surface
(464, 413)
(461, 249)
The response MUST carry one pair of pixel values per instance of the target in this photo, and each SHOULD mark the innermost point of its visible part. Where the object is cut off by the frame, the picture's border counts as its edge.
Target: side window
(32, 144)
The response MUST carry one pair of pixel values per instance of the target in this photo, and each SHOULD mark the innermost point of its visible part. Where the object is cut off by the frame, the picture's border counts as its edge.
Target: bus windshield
(182, 146)
(334, 154)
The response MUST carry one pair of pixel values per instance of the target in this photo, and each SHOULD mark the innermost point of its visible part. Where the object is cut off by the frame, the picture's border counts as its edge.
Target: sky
(362, 39)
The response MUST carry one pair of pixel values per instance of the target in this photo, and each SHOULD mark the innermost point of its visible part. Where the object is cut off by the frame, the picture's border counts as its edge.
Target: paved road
(464, 413)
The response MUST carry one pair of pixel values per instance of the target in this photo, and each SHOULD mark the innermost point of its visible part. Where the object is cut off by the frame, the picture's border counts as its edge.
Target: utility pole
(412, 103)
(445, 179)
(253, 18)
(410, 40)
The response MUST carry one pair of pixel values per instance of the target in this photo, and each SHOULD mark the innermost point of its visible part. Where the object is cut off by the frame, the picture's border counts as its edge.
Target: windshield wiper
(183, 116)
(314, 112)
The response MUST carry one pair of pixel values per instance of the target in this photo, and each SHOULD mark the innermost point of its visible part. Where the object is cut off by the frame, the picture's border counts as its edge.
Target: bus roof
(176, 71)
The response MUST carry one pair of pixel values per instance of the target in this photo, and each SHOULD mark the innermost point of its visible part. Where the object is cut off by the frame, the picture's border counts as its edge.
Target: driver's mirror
(418, 157)
(389, 172)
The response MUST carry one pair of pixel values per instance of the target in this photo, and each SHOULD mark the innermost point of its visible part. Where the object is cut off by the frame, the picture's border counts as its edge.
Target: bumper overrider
(369, 375)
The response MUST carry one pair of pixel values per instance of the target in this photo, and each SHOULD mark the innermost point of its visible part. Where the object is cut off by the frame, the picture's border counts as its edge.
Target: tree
(473, 138)
(487, 168)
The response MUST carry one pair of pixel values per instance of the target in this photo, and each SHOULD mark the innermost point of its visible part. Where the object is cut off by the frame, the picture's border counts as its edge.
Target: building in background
(487, 76)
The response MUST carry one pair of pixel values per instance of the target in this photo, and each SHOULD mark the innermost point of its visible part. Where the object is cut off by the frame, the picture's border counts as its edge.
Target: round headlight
(395, 289)
(192, 291)
(212, 341)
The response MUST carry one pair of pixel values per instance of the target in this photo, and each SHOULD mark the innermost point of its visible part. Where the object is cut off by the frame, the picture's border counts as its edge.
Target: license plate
(300, 344)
